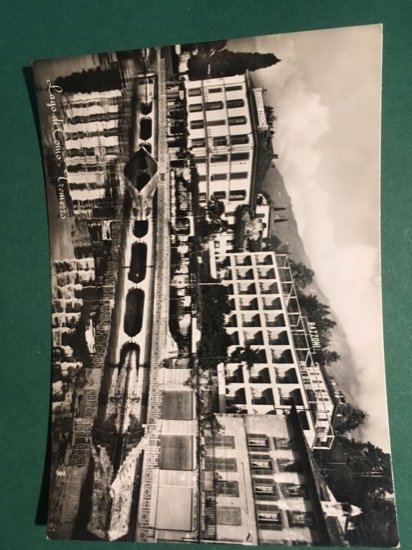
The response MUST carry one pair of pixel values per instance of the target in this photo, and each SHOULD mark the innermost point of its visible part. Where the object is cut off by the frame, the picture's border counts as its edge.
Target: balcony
(265, 260)
(253, 339)
(260, 377)
(238, 398)
(278, 321)
(243, 260)
(263, 398)
(268, 273)
(246, 288)
(235, 376)
(251, 321)
(250, 305)
(269, 288)
(284, 357)
(231, 321)
(288, 376)
(244, 274)
(272, 304)
(292, 398)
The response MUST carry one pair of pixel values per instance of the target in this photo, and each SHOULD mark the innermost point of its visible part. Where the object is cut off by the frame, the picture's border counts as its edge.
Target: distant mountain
(275, 187)
(287, 232)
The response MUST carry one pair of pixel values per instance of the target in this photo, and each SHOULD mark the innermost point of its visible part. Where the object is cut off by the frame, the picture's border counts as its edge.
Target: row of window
(216, 105)
(263, 489)
(225, 176)
(255, 441)
(269, 516)
(232, 121)
(195, 92)
(235, 195)
(261, 464)
(234, 157)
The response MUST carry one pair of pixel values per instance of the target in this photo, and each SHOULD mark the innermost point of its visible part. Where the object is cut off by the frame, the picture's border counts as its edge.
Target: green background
(31, 30)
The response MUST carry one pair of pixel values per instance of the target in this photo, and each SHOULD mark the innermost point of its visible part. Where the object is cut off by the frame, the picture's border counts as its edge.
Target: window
(202, 177)
(239, 195)
(218, 177)
(233, 88)
(229, 488)
(293, 490)
(300, 519)
(235, 103)
(201, 142)
(227, 441)
(200, 160)
(227, 464)
(240, 156)
(261, 464)
(238, 175)
(214, 105)
(289, 465)
(219, 158)
(268, 516)
(237, 120)
(194, 92)
(228, 515)
(284, 443)
(220, 195)
(197, 124)
(239, 140)
(258, 442)
(219, 141)
(265, 489)
(216, 122)
(214, 90)
(202, 197)
(195, 108)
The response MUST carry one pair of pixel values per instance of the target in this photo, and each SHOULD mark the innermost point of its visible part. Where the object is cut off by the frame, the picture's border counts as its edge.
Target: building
(267, 320)
(224, 117)
(261, 486)
(70, 276)
(217, 123)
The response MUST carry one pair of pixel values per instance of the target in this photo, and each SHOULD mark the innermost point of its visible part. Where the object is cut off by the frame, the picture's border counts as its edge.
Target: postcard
(217, 366)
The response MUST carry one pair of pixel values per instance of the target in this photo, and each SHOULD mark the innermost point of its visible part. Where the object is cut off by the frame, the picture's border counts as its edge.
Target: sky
(326, 94)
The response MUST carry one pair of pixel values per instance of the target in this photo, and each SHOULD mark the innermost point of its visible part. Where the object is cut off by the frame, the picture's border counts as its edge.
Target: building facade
(281, 370)
(260, 486)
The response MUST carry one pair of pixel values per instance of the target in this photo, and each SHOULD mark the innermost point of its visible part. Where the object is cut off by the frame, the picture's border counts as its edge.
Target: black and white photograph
(217, 337)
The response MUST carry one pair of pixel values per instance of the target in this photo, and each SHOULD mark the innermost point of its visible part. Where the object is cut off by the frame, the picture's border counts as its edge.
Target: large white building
(266, 318)
(91, 141)
(224, 117)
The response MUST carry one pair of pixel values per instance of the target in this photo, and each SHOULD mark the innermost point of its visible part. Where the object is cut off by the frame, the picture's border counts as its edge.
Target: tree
(270, 115)
(302, 275)
(330, 356)
(92, 80)
(349, 418)
(215, 209)
(227, 63)
(247, 354)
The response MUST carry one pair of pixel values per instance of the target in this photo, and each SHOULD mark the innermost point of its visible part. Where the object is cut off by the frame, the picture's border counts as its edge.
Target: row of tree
(360, 473)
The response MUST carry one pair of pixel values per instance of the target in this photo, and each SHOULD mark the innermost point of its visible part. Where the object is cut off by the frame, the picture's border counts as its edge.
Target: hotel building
(219, 121)
(266, 318)
(261, 486)
(91, 131)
